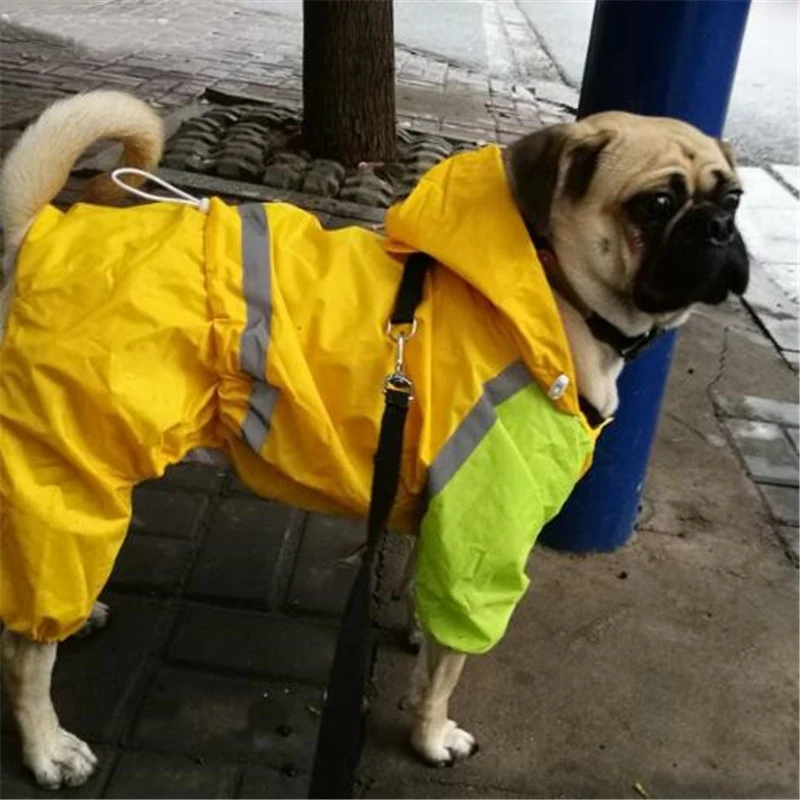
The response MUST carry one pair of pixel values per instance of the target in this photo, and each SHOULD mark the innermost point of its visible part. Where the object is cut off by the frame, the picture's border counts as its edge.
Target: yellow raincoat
(137, 334)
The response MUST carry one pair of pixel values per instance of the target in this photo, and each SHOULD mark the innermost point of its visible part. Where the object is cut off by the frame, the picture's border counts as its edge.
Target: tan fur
(638, 153)
(642, 153)
(40, 162)
(57, 757)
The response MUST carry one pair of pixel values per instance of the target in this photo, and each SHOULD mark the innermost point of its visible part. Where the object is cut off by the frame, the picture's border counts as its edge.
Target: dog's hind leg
(435, 737)
(56, 757)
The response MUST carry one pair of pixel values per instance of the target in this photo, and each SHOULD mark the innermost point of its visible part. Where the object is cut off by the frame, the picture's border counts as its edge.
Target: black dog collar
(627, 347)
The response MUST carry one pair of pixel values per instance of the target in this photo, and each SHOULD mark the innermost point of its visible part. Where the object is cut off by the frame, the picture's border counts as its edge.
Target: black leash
(342, 727)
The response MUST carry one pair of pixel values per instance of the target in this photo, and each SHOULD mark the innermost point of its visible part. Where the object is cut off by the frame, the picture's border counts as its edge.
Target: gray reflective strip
(259, 414)
(255, 337)
(507, 383)
(256, 267)
(475, 425)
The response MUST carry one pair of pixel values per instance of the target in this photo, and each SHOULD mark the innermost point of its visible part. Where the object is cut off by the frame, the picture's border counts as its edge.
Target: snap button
(558, 387)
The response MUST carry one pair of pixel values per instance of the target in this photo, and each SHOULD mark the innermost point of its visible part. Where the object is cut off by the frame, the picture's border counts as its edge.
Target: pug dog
(633, 221)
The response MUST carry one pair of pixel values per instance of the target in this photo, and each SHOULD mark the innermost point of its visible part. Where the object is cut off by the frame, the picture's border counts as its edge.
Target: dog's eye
(660, 205)
(731, 200)
(652, 209)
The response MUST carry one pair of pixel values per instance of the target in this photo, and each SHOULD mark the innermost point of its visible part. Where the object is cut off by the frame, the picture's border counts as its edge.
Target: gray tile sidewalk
(209, 679)
(769, 220)
(765, 434)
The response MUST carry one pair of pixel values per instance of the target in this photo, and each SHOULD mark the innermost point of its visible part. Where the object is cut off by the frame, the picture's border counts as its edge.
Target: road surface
(764, 110)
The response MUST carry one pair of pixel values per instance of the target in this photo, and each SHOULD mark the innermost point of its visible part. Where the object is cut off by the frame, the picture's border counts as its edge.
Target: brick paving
(209, 679)
(765, 434)
(185, 48)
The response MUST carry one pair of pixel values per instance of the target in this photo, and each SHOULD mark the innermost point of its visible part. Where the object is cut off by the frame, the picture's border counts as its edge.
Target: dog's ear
(534, 163)
(583, 158)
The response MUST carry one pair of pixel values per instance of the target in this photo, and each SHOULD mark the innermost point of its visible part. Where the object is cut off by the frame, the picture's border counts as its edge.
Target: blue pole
(673, 58)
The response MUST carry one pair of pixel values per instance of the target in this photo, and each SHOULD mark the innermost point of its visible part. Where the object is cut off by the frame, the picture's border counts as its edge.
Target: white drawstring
(184, 198)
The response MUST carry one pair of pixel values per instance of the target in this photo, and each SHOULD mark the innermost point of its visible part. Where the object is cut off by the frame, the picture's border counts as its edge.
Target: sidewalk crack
(717, 377)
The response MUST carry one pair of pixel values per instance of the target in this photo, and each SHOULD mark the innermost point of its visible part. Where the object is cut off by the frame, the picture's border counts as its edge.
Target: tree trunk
(348, 80)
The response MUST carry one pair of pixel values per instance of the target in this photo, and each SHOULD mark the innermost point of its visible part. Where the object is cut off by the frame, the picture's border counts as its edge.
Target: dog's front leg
(434, 735)
(56, 757)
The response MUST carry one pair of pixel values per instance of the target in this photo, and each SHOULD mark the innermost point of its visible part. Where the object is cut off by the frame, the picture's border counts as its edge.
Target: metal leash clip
(398, 380)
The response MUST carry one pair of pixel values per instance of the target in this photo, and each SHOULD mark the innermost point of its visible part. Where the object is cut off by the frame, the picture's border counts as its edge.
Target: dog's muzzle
(702, 260)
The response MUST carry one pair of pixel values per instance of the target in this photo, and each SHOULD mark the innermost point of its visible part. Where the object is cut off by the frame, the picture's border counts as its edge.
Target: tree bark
(348, 80)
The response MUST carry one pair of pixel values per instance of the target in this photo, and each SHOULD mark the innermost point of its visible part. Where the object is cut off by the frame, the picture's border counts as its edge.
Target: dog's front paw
(64, 760)
(443, 745)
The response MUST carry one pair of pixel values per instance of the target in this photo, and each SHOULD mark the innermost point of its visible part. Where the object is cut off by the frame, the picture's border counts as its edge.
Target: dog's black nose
(719, 229)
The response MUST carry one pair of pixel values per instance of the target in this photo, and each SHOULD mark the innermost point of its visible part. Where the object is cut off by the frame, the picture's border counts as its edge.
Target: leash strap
(409, 295)
(341, 728)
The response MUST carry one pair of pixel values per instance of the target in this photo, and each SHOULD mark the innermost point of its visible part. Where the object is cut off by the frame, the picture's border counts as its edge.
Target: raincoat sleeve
(508, 472)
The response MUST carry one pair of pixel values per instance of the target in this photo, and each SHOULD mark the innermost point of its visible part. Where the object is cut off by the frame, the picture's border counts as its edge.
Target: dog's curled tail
(39, 164)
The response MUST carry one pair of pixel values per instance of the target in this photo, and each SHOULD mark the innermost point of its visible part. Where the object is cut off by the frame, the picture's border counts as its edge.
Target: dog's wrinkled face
(639, 210)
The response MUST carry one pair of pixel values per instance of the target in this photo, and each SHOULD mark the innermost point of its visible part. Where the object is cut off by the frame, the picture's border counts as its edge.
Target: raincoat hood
(463, 214)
